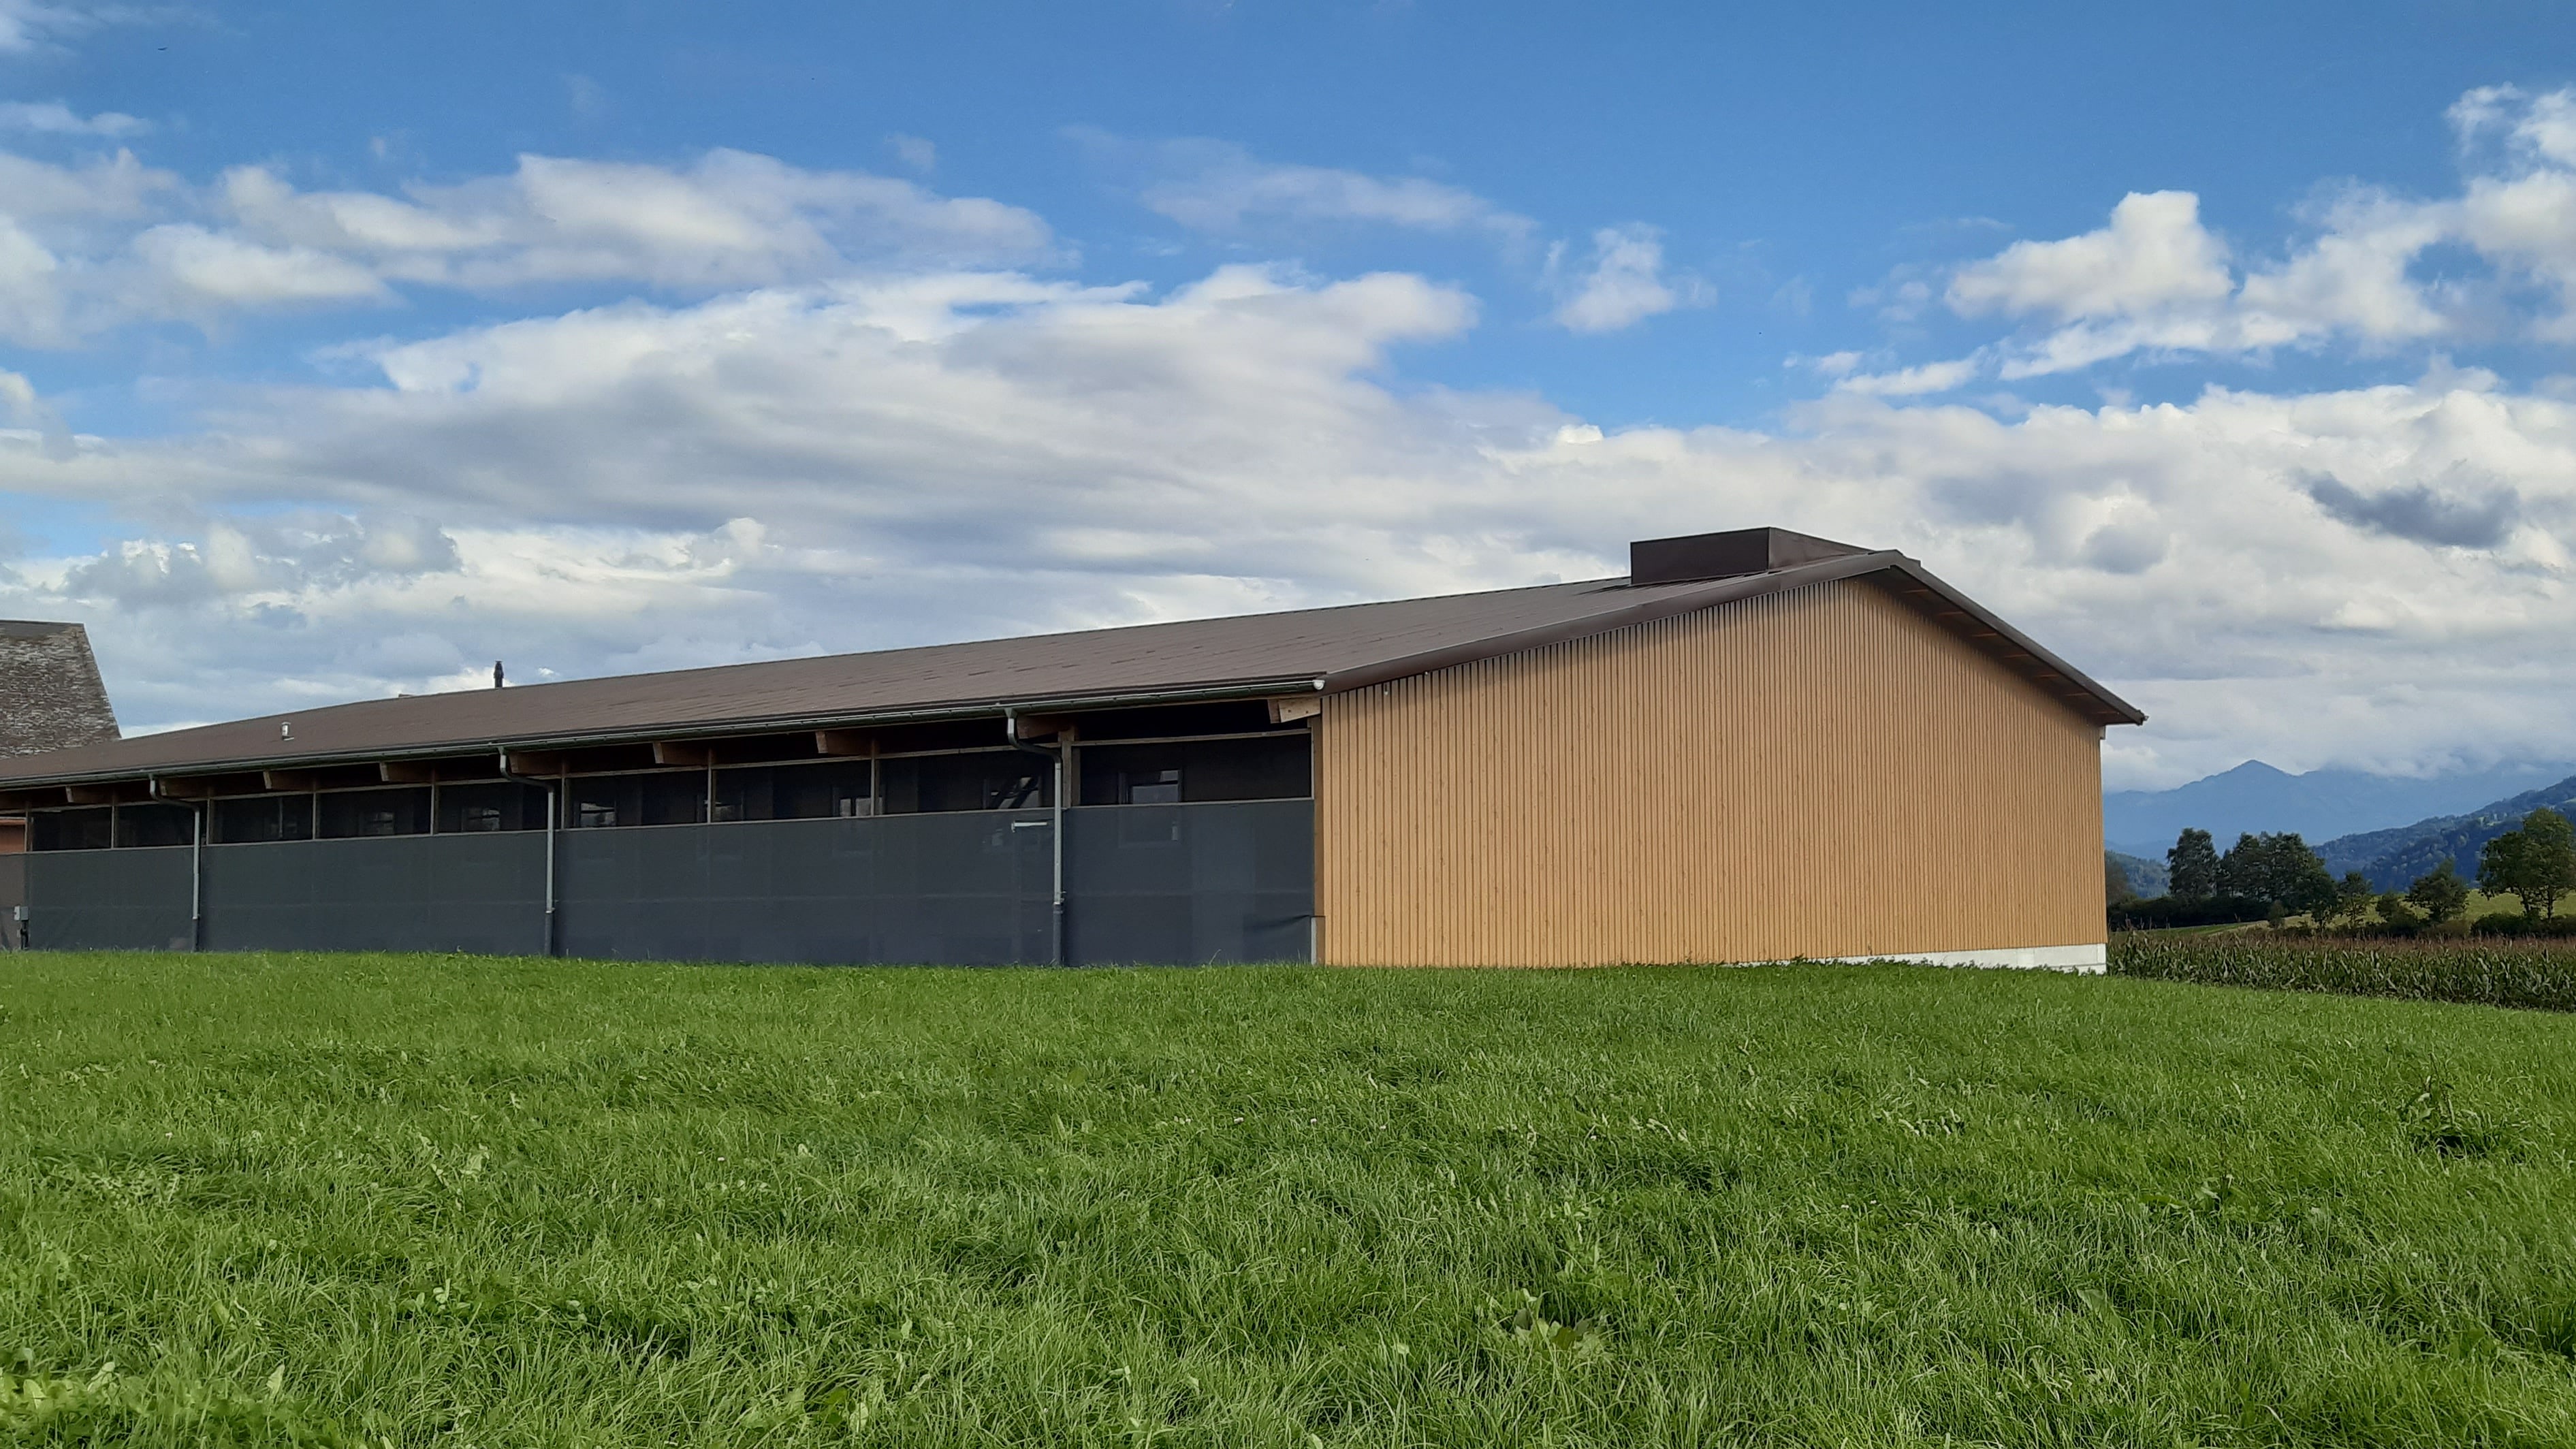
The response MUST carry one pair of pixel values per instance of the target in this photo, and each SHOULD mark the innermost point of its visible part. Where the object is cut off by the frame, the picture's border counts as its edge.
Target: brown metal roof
(1307, 649)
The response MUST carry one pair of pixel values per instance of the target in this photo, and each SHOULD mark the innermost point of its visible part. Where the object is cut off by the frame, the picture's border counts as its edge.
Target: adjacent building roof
(1326, 650)
(51, 697)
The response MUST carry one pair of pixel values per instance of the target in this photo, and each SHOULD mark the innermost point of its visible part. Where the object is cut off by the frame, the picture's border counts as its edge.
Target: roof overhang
(728, 729)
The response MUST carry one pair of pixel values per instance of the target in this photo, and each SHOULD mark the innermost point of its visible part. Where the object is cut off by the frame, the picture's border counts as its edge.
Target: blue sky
(346, 348)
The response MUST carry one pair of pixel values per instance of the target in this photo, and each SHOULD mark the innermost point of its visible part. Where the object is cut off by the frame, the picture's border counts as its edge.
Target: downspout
(197, 879)
(551, 812)
(196, 864)
(1055, 829)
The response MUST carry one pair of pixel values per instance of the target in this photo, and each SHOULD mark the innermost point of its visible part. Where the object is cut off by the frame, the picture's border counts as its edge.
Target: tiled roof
(50, 694)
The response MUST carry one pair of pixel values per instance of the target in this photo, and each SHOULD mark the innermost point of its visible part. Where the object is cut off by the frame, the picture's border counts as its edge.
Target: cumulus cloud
(206, 273)
(810, 414)
(53, 118)
(30, 24)
(858, 465)
(732, 219)
(2482, 519)
(87, 248)
(1930, 377)
(1624, 284)
(1212, 187)
(2153, 255)
(2156, 280)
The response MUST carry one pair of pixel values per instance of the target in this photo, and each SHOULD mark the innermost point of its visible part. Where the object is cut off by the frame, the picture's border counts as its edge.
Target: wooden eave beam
(846, 744)
(687, 753)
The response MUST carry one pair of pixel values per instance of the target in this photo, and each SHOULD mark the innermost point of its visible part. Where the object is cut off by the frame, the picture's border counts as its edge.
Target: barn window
(1269, 767)
(973, 780)
(360, 814)
(482, 808)
(261, 819)
(146, 825)
(843, 789)
(90, 829)
(663, 797)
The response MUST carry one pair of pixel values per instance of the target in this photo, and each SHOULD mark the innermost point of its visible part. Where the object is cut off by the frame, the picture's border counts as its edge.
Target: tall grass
(422, 1201)
(2485, 972)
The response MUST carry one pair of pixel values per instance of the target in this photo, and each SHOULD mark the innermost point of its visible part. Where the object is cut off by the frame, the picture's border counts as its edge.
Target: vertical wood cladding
(1823, 772)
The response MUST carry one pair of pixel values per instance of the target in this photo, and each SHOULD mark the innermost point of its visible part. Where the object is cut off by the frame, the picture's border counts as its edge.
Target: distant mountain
(2394, 858)
(2146, 877)
(2321, 804)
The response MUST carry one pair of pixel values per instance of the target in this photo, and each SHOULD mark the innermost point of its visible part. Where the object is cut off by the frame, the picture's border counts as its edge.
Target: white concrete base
(2083, 960)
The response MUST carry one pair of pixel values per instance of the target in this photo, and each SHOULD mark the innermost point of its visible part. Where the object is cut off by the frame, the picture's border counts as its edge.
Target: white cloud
(1219, 188)
(2353, 277)
(914, 151)
(53, 118)
(846, 423)
(2377, 576)
(1911, 381)
(30, 300)
(2154, 254)
(732, 219)
(208, 274)
(1625, 284)
(2156, 280)
(86, 248)
(108, 189)
(28, 24)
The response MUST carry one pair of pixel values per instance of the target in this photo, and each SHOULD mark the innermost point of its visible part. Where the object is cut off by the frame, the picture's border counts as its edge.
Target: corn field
(2539, 975)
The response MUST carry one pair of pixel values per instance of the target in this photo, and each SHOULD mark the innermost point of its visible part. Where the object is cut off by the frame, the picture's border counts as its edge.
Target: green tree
(2353, 896)
(2394, 910)
(2535, 863)
(2192, 867)
(2278, 869)
(2439, 893)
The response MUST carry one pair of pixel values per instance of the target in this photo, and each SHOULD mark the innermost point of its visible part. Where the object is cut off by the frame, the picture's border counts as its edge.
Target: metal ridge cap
(2128, 713)
(1683, 601)
(771, 724)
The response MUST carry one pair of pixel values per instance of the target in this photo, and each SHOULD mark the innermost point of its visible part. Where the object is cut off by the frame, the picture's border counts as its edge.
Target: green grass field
(419, 1200)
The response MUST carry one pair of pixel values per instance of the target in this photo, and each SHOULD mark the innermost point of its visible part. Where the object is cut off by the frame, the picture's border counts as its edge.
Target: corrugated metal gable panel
(1818, 773)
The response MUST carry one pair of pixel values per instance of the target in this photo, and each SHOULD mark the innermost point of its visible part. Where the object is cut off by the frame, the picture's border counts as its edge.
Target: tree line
(2275, 876)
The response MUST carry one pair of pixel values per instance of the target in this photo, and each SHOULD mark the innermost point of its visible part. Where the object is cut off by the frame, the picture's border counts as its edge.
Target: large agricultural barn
(1758, 745)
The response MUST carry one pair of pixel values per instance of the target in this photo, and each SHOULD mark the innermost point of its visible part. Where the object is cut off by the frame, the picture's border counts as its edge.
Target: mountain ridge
(2393, 858)
(2327, 804)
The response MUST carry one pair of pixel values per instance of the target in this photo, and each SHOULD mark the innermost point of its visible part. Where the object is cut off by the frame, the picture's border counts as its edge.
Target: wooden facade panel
(1818, 773)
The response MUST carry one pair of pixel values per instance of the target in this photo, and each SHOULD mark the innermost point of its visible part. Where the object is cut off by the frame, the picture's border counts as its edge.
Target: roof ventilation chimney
(1698, 556)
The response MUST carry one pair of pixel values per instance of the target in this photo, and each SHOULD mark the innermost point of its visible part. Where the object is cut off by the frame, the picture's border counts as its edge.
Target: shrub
(2523, 926)
(2160, 911)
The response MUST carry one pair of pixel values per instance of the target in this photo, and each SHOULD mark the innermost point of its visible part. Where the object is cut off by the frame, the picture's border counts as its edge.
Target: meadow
(424, 1200)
